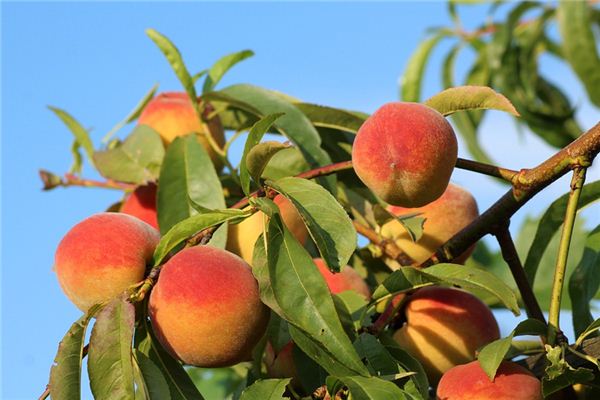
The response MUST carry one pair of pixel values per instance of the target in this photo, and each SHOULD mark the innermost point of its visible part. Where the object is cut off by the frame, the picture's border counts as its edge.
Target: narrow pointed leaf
(259, 156)
(592, 328)
(188, 173)
(265, 389)
(371, 388)
(137, 160)
(464, 98)
(79, 132)
(65, 374)
(329, 117)
(326, 220)
(155, 384)
(110, 366)
(410, 83)
(224, 64)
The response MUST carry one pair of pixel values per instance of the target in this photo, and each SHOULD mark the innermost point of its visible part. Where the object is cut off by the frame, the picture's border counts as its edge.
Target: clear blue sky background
(95, 61)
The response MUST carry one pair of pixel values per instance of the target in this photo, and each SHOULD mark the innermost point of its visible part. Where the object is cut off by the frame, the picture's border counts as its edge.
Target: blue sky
(95, 61)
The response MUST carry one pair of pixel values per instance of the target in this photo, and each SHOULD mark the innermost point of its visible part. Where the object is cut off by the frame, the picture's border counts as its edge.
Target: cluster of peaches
(205, 307)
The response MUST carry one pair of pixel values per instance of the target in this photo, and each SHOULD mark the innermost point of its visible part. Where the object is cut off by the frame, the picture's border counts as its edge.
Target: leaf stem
(509, 253)
(563, 254)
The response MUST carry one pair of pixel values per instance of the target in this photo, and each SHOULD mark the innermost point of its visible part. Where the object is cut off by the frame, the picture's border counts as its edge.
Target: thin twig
(389, 247)
(486, 169)
(51, 181)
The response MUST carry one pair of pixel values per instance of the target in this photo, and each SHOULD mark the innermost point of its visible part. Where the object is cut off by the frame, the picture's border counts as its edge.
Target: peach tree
(248, 281)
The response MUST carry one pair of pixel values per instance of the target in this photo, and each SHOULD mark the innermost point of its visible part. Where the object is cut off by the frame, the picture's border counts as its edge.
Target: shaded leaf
(590, 329)
(151, 382)
(584, 282)
(418, 384)
(81, 134)
(65, 374)
(260, 155)
(266, 389)
(136, 160)
(559, 374)
(133, 115)
(579, 46)
(188, 173)
(550, 222)
(363, 388)
(110, 365)
(224, 64)
(410, 86)
(326, 220)
(464, 98)
(254, 137)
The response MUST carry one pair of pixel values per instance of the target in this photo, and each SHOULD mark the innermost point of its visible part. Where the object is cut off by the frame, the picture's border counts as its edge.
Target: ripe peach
(444, 327)
(171, 114)
(102, 255)
(142, 204)
(242, 237)
(205, 308)
(446, 216)
(346, 279)
(405, 153)
(469, 382)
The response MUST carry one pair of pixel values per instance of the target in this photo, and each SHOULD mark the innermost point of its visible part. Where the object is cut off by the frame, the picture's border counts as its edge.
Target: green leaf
(302, 296)
(354, 304)
(187, 173)
(189, 226)
(266, 389)
(584, 282)
(259, 156)
(65, 374)
(592, 328)
(176, 61)
(464, 98)
(82, 136)
(326, 220)
(133, 115)
(550, 222)
(287, 162)
(559, 374)
(254, 137)
(329, 117)
(413, 74)
(180, 385)
(371, 388)
(579, 45)
(492, 354)
(418, 384)
(110, 365)
(408, 278)
(150, 380)
(294, 124)
(224, 64)
(137, 160)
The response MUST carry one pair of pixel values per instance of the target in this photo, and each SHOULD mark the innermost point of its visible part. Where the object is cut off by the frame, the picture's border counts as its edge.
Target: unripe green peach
(142, 204)
(103, 255)
(242, 237)
(172, 114)
(444, 328)
(445, 217)
(205, 308)
(469, 382)
(346, 279)
(405, 153)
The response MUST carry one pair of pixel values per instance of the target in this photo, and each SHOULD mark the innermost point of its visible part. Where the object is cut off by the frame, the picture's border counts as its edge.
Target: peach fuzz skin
(469, 382)
(444, 328)
(142, 204)
(205, 308)
(445, 217)
(346, 279)
(171, 114)
(405, 153)
(103, 255)
(242, 237)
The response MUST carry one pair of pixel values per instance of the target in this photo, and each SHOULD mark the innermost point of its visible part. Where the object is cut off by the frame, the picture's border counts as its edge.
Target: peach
(205, 308)
(469, 382)
(444, 327)
(405, 153)
(142, 204)
(171, 114)
(346, 279)
(280, 364)
(103, 255)
(242, 237)
(445, 217)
